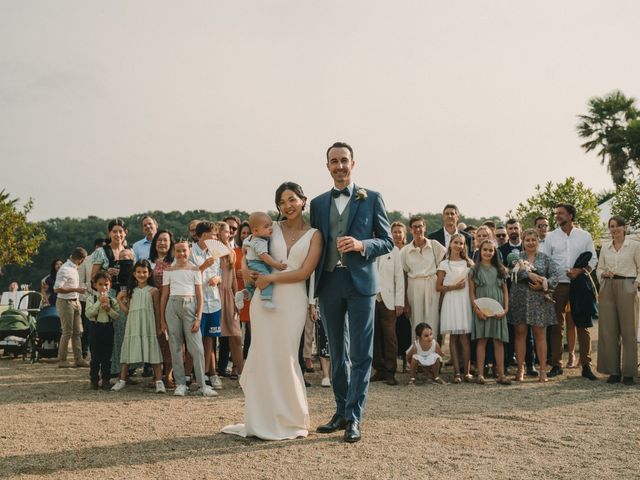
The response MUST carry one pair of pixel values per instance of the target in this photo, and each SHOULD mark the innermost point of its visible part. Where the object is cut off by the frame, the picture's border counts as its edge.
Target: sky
(115, 108)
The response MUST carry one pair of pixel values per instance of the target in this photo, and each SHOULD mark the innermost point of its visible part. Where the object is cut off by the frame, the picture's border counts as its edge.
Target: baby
(256, 251)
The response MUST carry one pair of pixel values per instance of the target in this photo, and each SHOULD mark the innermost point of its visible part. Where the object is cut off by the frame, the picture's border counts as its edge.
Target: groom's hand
(349, 244)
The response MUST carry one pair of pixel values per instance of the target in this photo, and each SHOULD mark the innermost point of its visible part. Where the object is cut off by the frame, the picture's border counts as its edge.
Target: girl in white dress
(425, 352)
(275, 396)
(455, 315)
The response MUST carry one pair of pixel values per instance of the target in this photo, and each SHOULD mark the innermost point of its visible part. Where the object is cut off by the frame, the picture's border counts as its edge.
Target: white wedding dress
(275, 396)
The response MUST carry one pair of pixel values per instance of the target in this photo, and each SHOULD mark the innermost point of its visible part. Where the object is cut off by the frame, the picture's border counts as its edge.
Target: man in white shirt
(67, 286)
(141, 247)
(389, 306)
(234, 224)
(564, 245)
(541, 225)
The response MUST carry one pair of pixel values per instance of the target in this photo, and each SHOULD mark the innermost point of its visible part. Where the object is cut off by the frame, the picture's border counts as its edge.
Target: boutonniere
(361, 194)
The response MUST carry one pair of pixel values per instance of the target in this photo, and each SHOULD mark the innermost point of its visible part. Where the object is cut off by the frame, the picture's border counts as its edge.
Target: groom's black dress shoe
(352, 432)
(336, 423)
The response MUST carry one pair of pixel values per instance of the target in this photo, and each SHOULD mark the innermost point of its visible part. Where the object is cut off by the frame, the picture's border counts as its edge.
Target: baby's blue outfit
(256, 246)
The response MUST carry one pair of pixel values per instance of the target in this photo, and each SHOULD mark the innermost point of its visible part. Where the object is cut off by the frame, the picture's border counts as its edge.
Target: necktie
(335, 193)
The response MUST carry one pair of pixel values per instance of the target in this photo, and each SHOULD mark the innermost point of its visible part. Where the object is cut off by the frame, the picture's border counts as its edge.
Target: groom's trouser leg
(333, 307)
(360, 324)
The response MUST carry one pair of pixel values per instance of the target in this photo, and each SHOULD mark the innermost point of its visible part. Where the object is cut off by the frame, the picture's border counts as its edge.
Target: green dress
(489, 284)
(140, 342)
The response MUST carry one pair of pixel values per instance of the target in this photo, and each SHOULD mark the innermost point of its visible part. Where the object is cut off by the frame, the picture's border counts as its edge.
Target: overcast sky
(114, 108)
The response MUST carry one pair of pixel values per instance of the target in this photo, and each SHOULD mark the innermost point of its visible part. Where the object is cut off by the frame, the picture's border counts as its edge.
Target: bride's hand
(313, 313)
(263, 281)
(249, 276)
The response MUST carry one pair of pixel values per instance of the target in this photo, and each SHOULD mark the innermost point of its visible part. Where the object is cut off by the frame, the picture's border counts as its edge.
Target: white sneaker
(180, 391)
(216, 382)
(326, 382)
(268, 304)
(239, 299)
(119, 385)
(160, 387)
(208, 392)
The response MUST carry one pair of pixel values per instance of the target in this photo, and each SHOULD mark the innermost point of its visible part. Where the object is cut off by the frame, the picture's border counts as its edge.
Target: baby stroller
(48, 333)
(17, 332)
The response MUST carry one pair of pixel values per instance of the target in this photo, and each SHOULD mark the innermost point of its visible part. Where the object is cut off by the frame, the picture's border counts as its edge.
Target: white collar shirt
(564, 249)
(624, 262)
(210, 294)
(341, 201)
(67, 277)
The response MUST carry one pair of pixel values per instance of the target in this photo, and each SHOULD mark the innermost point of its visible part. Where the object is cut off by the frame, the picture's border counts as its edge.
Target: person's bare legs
(209, 358)
(540, 338)
(235, 345)
(466, 354)
(481, 349)
(521, 335)
(453, 348)
(498, 348)
(157, 371)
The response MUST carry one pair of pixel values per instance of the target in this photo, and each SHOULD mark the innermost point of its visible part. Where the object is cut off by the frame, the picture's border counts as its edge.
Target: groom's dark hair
(340, 145)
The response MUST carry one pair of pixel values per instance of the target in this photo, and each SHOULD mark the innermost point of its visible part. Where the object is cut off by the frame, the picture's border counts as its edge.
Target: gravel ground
(55, 427)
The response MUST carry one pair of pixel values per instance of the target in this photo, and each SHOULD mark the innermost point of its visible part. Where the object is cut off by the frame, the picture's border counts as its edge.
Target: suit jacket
(439, 236)
(391, 279)
(368, 223)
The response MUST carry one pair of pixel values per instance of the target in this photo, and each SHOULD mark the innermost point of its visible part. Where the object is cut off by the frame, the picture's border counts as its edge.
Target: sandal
(468, 378)
(412, 381)
(480, 380)
(519, 377)
(456, 378)
(503, 380)
(439, 381)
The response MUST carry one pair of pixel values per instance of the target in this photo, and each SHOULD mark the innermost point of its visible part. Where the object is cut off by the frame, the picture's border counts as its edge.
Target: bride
(275, 396)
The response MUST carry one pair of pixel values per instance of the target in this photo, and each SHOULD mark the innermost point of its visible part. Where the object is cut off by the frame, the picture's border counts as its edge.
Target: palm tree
(607, 126)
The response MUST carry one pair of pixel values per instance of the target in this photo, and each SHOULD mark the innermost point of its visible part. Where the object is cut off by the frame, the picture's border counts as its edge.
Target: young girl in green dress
(141, 303)
(488, 279)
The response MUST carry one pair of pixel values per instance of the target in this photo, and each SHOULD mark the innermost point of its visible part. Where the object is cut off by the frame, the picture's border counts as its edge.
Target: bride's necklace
(291, 236)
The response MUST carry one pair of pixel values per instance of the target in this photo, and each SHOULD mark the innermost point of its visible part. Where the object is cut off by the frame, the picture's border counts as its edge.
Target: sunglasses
(501, 235)
(542, 225)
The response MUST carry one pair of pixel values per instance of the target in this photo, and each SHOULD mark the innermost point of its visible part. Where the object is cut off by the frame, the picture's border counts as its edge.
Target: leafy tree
(626, 203)
(613, 127)
(546, 197)
(19, 238)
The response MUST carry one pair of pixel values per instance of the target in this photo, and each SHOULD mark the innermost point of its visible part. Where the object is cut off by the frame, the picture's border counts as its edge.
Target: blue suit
(351, 290)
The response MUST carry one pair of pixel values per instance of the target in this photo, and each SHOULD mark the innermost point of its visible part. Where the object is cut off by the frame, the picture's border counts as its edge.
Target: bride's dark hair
(295, 188)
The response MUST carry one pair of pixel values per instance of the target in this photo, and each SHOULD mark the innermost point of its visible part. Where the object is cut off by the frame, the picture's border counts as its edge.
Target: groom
(355, 229)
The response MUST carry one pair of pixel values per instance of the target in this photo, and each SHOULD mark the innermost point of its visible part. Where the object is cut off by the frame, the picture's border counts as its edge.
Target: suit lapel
(355, 204)
(326, 208)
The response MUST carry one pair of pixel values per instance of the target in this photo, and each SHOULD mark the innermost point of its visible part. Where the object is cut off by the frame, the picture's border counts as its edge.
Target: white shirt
(624, 262)
(210, 295)
(84, 274)
(391, 278)
(422, 262)
(564, 249)
(182, 281)
(342, 200)
(67, 277)
(447, 237)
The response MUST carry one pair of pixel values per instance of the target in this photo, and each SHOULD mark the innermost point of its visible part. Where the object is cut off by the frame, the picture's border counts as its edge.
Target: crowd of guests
(170, 307)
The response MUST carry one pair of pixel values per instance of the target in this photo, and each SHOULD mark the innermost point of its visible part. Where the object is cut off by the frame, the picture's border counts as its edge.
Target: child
(124, 266)
(455, 313)
(101, 311)
(141, 303)
(256, 250)
(180, 313)
(488, 279)
(425, 352)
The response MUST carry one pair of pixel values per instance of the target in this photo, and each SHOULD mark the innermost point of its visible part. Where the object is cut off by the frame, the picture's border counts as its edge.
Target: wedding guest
(49, 297)
(13, 286)
(243, 232)
(84, 274)
(230, 325)
(482, 233)
(141, 303)
(541, 225)
(487, 280)
(234, 224)
(455, 313)
(501, 235)
(528, 307)
(564, 245)
(492, 227)
(192, 230)
(389, 306)
(107, 257)
(101, 311)
(619, 274)
(211, 305)
(420, 259)
(425, 353)
(67, 287)
(450, 217)
(404, 333)
(161, 258)
(142, 246)
(124, 266)
(180, 311)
